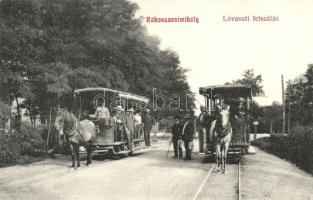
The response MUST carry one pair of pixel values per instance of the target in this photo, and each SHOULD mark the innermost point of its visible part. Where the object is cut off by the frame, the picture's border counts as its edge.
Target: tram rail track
(238, 193)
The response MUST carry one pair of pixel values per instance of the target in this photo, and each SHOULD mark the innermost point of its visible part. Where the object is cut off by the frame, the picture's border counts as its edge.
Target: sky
(217, 51)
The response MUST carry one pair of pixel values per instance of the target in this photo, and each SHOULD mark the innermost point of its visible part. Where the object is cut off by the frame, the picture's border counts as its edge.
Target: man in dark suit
(188, 131)
(130, 125)
(177, 138)
(203, 124)
(147, 121)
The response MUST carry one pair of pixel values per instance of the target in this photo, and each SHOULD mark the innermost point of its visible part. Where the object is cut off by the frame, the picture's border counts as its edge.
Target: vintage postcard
(160, 100)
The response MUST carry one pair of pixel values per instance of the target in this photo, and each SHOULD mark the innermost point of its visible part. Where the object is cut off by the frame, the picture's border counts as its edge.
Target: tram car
(111, 137)
(238, 97)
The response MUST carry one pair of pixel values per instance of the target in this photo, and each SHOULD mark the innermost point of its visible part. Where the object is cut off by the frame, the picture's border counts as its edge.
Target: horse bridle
(72, 130)
(220, 130)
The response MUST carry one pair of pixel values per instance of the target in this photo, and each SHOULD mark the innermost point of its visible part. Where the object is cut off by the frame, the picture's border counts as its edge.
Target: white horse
(221, 133)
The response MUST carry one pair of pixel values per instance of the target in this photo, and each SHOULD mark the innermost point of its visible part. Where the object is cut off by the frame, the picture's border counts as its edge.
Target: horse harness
(222, 132)
(73, 130)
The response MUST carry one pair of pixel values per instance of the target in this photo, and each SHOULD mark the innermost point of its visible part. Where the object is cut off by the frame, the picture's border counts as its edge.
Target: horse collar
(223, 131)
(73, 130)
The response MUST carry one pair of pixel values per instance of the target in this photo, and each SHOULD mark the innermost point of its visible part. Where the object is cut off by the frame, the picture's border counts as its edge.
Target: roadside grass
(296, 148)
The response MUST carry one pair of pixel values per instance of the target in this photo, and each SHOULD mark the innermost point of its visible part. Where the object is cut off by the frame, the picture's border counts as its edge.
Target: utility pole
(288, 122)
(283, 101)
(255, 123)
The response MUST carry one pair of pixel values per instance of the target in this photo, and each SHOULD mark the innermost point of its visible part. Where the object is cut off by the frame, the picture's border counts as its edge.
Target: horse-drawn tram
(118, 130)
(237, 99)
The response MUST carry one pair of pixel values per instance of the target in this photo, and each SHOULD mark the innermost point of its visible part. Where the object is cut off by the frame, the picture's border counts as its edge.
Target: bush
(32, 139)
(4, 115)
(297, 147)
(29, 140)
(9, 148)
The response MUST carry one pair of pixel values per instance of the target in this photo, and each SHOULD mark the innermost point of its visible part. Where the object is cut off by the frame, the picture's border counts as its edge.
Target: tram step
(210, 152)
(122, 152)
(138, 140)
(100, 151)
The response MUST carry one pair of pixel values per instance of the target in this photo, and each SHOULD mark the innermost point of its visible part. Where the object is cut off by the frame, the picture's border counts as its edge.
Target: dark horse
(77, 133)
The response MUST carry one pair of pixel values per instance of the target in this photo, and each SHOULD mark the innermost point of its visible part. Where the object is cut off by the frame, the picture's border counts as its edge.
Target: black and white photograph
(156, 100)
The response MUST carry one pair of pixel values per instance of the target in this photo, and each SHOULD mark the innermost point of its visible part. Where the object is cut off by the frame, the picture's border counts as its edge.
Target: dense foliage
(4, 115)
(252, 80)
(296, 147)
(29, 140)
(257, 113)
(50, 48)
(300, 93)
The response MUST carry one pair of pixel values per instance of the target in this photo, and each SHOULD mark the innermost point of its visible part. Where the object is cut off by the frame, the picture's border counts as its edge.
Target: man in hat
(187, 134)
(139, 125)
(130, 125)
(147, 121)
(177, 138)
(102, 111)
(119, 118)
(203, 122)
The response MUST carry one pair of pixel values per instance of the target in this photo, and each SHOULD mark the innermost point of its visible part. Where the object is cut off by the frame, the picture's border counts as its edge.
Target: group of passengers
(129, 124)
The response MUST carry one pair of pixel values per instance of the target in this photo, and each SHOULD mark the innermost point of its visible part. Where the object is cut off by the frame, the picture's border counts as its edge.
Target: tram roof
(120, 93)
(227, 91)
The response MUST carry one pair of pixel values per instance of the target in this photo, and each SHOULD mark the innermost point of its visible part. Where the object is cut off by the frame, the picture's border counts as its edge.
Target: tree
(255, 82)
(272, 118)
(300, 93)
(50, 48)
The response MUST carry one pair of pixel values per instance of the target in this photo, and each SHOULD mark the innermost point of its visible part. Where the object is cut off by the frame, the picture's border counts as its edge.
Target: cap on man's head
(119, 107)
(147, 110)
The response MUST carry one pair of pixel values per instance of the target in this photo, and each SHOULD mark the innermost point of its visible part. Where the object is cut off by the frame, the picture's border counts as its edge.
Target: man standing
(147, 121)
(177, 138)
(119, 119)
(102, 111)
(130, 125)
(139, 125)
(102, 116)
(188, 133)
(203, 121)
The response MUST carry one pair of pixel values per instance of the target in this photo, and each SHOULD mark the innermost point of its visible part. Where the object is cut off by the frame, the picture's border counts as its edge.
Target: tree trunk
(18, 108)
(10, 114)
(49, 130)
(30, 115)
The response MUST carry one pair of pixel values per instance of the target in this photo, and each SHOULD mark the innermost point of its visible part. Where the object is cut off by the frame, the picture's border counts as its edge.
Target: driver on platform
(102, 111)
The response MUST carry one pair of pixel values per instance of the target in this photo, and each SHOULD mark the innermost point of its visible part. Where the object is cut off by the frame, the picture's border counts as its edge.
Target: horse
(221, 133)
(76, 133)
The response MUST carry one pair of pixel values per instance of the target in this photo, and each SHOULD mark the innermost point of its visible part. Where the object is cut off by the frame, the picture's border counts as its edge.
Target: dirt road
(150, 175)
